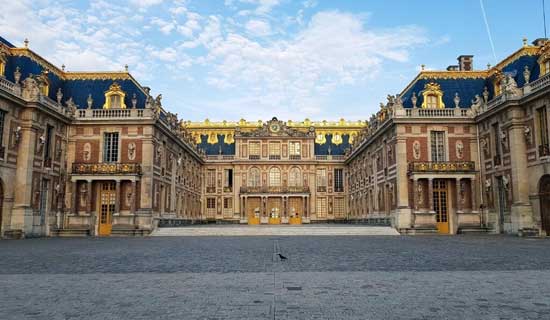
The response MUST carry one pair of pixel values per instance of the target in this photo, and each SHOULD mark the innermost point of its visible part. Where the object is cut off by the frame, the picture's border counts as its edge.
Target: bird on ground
(282, 257)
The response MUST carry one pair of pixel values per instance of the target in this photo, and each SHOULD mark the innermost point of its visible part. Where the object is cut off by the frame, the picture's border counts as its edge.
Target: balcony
(295, 157)
(253, 157)
(114, 113)
(274, 157)
(460, 166)
(544, 150)
(106, 168)
(265, 189)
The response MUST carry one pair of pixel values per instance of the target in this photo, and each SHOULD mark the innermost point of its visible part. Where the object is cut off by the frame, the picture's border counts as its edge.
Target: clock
(274, 127)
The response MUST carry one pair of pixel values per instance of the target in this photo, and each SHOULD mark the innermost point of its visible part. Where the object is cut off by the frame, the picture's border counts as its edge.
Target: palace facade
(93, 153)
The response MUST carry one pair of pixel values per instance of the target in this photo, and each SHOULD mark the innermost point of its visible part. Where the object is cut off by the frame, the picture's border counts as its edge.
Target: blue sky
(254, 59)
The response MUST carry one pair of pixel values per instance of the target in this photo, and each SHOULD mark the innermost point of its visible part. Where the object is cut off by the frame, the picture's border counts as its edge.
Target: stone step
(309, 230)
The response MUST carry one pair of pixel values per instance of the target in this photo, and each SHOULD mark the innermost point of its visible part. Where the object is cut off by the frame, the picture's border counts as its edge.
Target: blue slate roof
(78, 89)
(6, 42)
(335, 150)
(468, 86)
(215, 149)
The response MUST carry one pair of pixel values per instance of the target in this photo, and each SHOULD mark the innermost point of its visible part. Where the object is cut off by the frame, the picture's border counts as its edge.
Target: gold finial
(63, 67)
(422, 67)
(26, 42)
(488, 66)
(126, 67)
(525, 42)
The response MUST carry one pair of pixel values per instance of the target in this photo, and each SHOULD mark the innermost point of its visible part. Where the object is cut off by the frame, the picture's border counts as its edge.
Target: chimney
(452, 68)
(466, 63)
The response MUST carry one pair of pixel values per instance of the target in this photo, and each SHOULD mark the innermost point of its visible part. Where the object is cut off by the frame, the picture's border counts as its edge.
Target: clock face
(275, 127)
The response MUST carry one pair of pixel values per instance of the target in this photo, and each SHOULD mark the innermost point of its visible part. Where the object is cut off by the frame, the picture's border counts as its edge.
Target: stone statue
(511, 87)
(527, 134)
(459, 149)
(476, 105)
(59, 96)
(485, 95)
(90, 101)
(414, 99)
(526, 74)
(457, 100)
(134, 101)
(131, 151)
(31, 92)
(416, 150)
(487, 185)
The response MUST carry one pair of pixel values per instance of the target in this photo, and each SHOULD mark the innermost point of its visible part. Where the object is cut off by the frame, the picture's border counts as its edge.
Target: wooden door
(253, 205)
(440, 205)
(107, 201)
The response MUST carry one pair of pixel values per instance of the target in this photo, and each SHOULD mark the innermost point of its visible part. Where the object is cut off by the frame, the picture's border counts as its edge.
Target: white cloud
(335, 49)
(258, 27)
(145, 3)
(262, 6)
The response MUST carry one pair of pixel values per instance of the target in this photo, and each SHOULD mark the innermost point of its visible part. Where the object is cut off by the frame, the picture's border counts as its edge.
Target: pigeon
(282, 257)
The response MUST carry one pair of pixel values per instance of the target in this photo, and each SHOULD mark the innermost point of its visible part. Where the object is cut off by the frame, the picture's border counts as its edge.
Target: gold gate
(106, 208)
(440, 205)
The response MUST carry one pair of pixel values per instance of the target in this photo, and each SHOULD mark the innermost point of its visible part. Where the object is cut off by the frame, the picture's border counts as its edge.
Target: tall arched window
(275, 177)
(254, 178)
(295, 178)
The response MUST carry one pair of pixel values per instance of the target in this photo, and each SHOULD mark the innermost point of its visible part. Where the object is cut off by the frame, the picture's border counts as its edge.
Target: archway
(544, 196)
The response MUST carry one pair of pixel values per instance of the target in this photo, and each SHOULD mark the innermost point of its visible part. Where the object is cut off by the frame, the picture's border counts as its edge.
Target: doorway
(106, 208)
(544, 196)
(441, 205)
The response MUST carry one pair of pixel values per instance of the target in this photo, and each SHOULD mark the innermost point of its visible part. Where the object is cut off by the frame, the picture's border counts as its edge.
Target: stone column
(89, 197)
(117, 197)
(74, 198)
(430, 204)
(458, 197)
(415, 194)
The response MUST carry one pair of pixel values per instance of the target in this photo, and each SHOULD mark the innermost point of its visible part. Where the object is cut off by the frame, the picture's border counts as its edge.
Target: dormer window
(2, 65)
(433, 96)
(431, 101)
(114, 97)
(544, 59)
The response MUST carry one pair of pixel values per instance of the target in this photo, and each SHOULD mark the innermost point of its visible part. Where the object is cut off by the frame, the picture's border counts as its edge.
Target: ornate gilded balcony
(449, 166)
(106, 168)
(265, 189)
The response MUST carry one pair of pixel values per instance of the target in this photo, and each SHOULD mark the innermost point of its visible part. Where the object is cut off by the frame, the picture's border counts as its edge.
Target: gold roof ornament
(432, 89)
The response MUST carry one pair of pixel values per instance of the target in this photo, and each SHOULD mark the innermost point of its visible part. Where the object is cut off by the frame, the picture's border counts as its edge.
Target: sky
(255, 59)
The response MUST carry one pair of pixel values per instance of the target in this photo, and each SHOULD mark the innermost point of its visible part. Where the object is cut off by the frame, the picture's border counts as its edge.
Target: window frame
(111, 146)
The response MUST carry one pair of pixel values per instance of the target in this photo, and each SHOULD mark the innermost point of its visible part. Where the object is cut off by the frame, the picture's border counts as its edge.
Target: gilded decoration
(230, 129)
(432, 89)
(459, 166)
(544, 58)
(114, 90)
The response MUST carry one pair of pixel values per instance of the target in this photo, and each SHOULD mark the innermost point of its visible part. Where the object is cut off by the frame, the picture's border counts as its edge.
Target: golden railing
(106, 168)
(449, 166)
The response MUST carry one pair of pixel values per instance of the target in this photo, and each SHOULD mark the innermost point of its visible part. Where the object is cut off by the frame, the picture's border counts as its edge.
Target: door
(106, 208)
(440, 205)
(544, 196)
(253, 207)
(43, 202)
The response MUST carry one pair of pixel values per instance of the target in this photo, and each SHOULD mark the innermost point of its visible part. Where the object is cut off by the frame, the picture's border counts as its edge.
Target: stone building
(93, 153)
(460, 150)
(88, 152)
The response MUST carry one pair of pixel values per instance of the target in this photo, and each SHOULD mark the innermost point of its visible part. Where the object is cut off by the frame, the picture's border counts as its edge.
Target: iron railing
(106, 168)
(449, 166)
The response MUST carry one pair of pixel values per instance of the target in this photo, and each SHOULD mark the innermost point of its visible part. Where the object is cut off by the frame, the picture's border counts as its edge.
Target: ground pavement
(324, 277)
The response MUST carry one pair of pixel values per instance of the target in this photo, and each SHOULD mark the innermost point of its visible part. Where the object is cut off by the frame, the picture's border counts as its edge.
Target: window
(339, 207)
(431, 101)
(254, 178)
(211, 206)
(2, 120)
(254, 151)
(321, 207)
(227, 203)
(321, 180)
(274, 150)
(211, 180)
(110, 147)
(48, 146)
(115, 101)
(275, 177)
(295, 178)
(438, 146)
(496, 133)
(227, 206)
(338, 180)
(294, 151)
(227, 179)
(542, 120)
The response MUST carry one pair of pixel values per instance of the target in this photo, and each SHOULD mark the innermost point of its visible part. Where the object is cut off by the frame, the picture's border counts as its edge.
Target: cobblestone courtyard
(353, 277)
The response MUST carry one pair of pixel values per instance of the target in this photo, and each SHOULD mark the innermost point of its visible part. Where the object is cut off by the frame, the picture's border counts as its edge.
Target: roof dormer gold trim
(114, 90)
(432, 89)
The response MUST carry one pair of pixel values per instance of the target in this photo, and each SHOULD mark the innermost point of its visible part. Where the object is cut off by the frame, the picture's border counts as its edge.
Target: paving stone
(348, 277)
